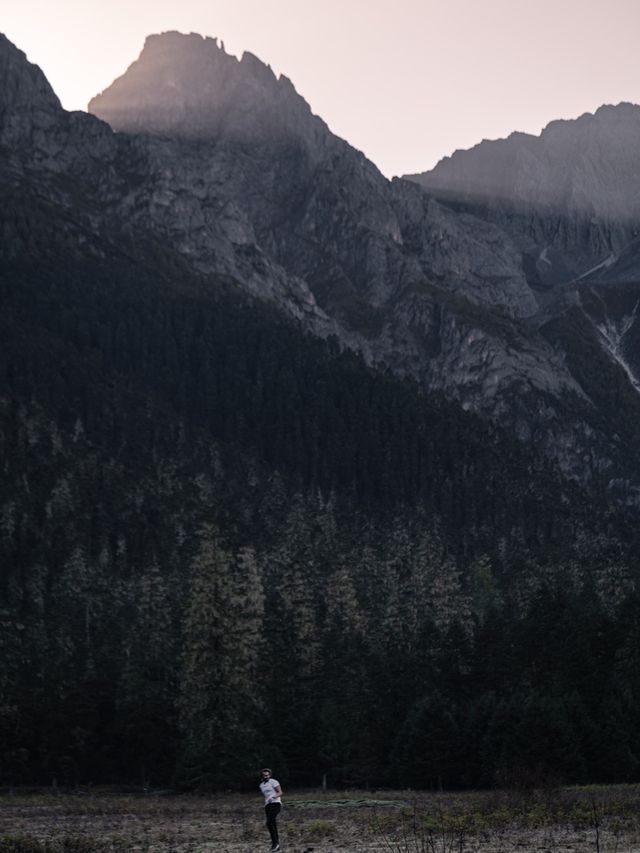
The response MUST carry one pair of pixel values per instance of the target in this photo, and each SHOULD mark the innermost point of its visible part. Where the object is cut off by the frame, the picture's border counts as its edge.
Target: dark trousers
(272, 810)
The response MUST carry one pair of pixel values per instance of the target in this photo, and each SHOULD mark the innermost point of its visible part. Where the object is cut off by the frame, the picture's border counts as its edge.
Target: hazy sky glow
(407, 81)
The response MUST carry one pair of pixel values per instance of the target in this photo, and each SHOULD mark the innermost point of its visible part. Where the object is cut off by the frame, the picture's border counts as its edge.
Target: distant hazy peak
(189, 85)
(589, 164)
(24, 88)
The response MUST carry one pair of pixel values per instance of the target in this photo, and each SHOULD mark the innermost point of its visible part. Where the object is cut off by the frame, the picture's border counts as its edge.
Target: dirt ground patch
(603, 820)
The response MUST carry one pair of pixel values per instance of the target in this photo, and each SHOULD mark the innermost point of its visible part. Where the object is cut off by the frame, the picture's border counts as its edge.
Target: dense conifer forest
(226, 544)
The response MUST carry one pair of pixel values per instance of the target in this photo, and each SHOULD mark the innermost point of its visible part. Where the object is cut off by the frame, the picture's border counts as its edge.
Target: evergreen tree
(146, 699)
(219, 690)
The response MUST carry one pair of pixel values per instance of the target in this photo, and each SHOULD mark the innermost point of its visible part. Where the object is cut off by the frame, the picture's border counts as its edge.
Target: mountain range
(510, 285)
(251, 387)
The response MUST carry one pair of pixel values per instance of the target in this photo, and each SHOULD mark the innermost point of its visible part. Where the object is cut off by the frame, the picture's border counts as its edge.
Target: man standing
(271, 791)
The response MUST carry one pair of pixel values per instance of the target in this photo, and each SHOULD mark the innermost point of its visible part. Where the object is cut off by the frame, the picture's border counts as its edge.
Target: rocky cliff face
(247, 139)
(569, 200)
(570, 197)
(227, 164)
(26, 95)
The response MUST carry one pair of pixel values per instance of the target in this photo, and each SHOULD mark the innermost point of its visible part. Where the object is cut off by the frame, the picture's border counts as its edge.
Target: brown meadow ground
(562, 820)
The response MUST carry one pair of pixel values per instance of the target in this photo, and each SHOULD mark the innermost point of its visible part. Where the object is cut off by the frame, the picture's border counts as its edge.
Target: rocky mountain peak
(188, 85)
(26, 98)
(589, 166)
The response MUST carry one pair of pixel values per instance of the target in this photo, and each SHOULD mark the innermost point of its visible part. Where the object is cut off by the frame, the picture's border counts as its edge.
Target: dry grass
(603, 820)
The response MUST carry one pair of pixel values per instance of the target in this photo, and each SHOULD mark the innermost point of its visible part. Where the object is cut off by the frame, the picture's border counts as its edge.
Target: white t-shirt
(268, 791)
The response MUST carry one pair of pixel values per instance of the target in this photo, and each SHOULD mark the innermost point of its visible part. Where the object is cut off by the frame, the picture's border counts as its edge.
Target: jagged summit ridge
(188, 85)
(585, 166)
(570, 197)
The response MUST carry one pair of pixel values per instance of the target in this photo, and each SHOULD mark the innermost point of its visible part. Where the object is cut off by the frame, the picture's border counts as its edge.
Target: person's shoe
(275, 848)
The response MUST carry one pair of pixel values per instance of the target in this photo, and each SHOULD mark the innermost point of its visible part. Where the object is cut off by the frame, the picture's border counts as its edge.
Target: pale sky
(405, 81)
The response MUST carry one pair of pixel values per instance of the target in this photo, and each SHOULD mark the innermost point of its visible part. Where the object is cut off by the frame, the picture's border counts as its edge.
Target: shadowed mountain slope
(453, 292)
(222, 531)
(227, 165)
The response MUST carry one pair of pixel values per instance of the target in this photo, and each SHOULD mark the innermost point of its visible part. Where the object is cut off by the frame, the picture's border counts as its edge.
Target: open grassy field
(563, 820)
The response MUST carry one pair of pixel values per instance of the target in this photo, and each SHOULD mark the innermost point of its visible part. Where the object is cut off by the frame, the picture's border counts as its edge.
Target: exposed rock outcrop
(570, 197)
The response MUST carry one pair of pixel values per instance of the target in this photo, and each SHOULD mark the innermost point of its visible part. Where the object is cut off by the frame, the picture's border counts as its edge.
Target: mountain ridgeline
(272, 489)
(472, 291)
(572, 191)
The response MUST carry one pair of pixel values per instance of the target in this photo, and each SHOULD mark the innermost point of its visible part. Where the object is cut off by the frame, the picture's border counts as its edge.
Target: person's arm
(277, 790)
